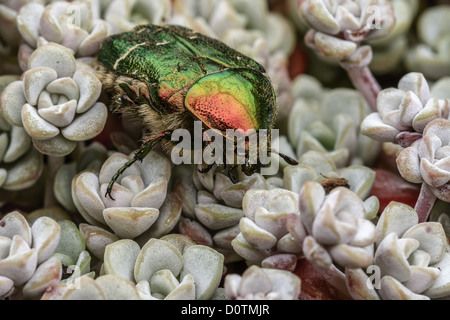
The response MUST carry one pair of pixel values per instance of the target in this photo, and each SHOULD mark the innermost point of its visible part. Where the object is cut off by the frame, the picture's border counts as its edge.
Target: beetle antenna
(286, 158)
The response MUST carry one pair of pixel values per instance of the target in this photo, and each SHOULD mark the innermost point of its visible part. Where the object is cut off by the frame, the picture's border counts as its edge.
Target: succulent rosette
(339, 26)
(55, 102)
(124, 15)
(75, 25)
(428, 159)
(430, 55)
(333, 228)
(411, 260)
(262, 284)
(142, 206)
(403, 113)
(329, 121)
(263, 237)
(390, 51)
(27, 267)
(170, 268)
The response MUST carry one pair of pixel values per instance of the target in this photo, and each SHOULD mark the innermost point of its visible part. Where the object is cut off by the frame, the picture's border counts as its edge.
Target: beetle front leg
(230, 173)
(117, 175)
(206, 169)
(139, 155)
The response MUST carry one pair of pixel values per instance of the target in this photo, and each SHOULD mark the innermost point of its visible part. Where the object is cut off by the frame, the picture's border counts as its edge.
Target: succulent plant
(263, 238)
(317, 166)
(89, 157)
(389, 52)
(75, 25)
(262, 284)
(212, 207)
(356, 21)
(171, 268)
(27, 267)
(404, 113)
(411, 259)
(329, 121)
(20, 164)
(55, 103)
(123, 15)
(410, 117)
(430, 56)
(176, 232)
(337, 30)
(107, 287)
(143, 206)
(425, 161)
(332, 228)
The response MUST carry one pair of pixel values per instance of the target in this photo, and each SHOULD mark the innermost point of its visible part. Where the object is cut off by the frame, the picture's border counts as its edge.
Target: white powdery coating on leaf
(206, 266)
(54, 56)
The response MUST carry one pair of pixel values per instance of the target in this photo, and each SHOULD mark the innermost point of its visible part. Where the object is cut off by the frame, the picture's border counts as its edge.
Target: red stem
(334, 277)
(364, 81)
(425, 203)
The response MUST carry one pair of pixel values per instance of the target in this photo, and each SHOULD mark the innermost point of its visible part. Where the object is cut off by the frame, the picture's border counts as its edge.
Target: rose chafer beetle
(170, 76)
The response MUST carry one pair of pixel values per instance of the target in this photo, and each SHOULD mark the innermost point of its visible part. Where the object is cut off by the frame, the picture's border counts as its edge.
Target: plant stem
(53, 165)
(334, 277)
(364, 81)
(425, 203)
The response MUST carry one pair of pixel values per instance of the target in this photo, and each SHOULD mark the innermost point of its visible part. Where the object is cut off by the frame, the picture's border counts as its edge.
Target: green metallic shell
(185, 70)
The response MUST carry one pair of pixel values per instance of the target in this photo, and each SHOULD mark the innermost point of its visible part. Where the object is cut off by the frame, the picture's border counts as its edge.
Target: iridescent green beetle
(170, 76)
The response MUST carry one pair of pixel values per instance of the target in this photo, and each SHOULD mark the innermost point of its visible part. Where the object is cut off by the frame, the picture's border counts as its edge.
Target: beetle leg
(139, 155)
(230, 173)
(206, 169)
(206, 142)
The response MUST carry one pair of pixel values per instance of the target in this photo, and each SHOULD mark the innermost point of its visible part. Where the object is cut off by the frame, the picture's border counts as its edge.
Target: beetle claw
(205, 170)
(231, 175)
(108, 194)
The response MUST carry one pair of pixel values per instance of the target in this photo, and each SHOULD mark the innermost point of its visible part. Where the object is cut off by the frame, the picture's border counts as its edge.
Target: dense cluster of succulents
(333, 227)
(166, 232)
(419, 124)
(329, 121)
(263, 237)
(412, 259)
(171, 268)
(26, 255)
(389, 52)
(34, 258)
(212, 207)
(71, 24)
(429, 55)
